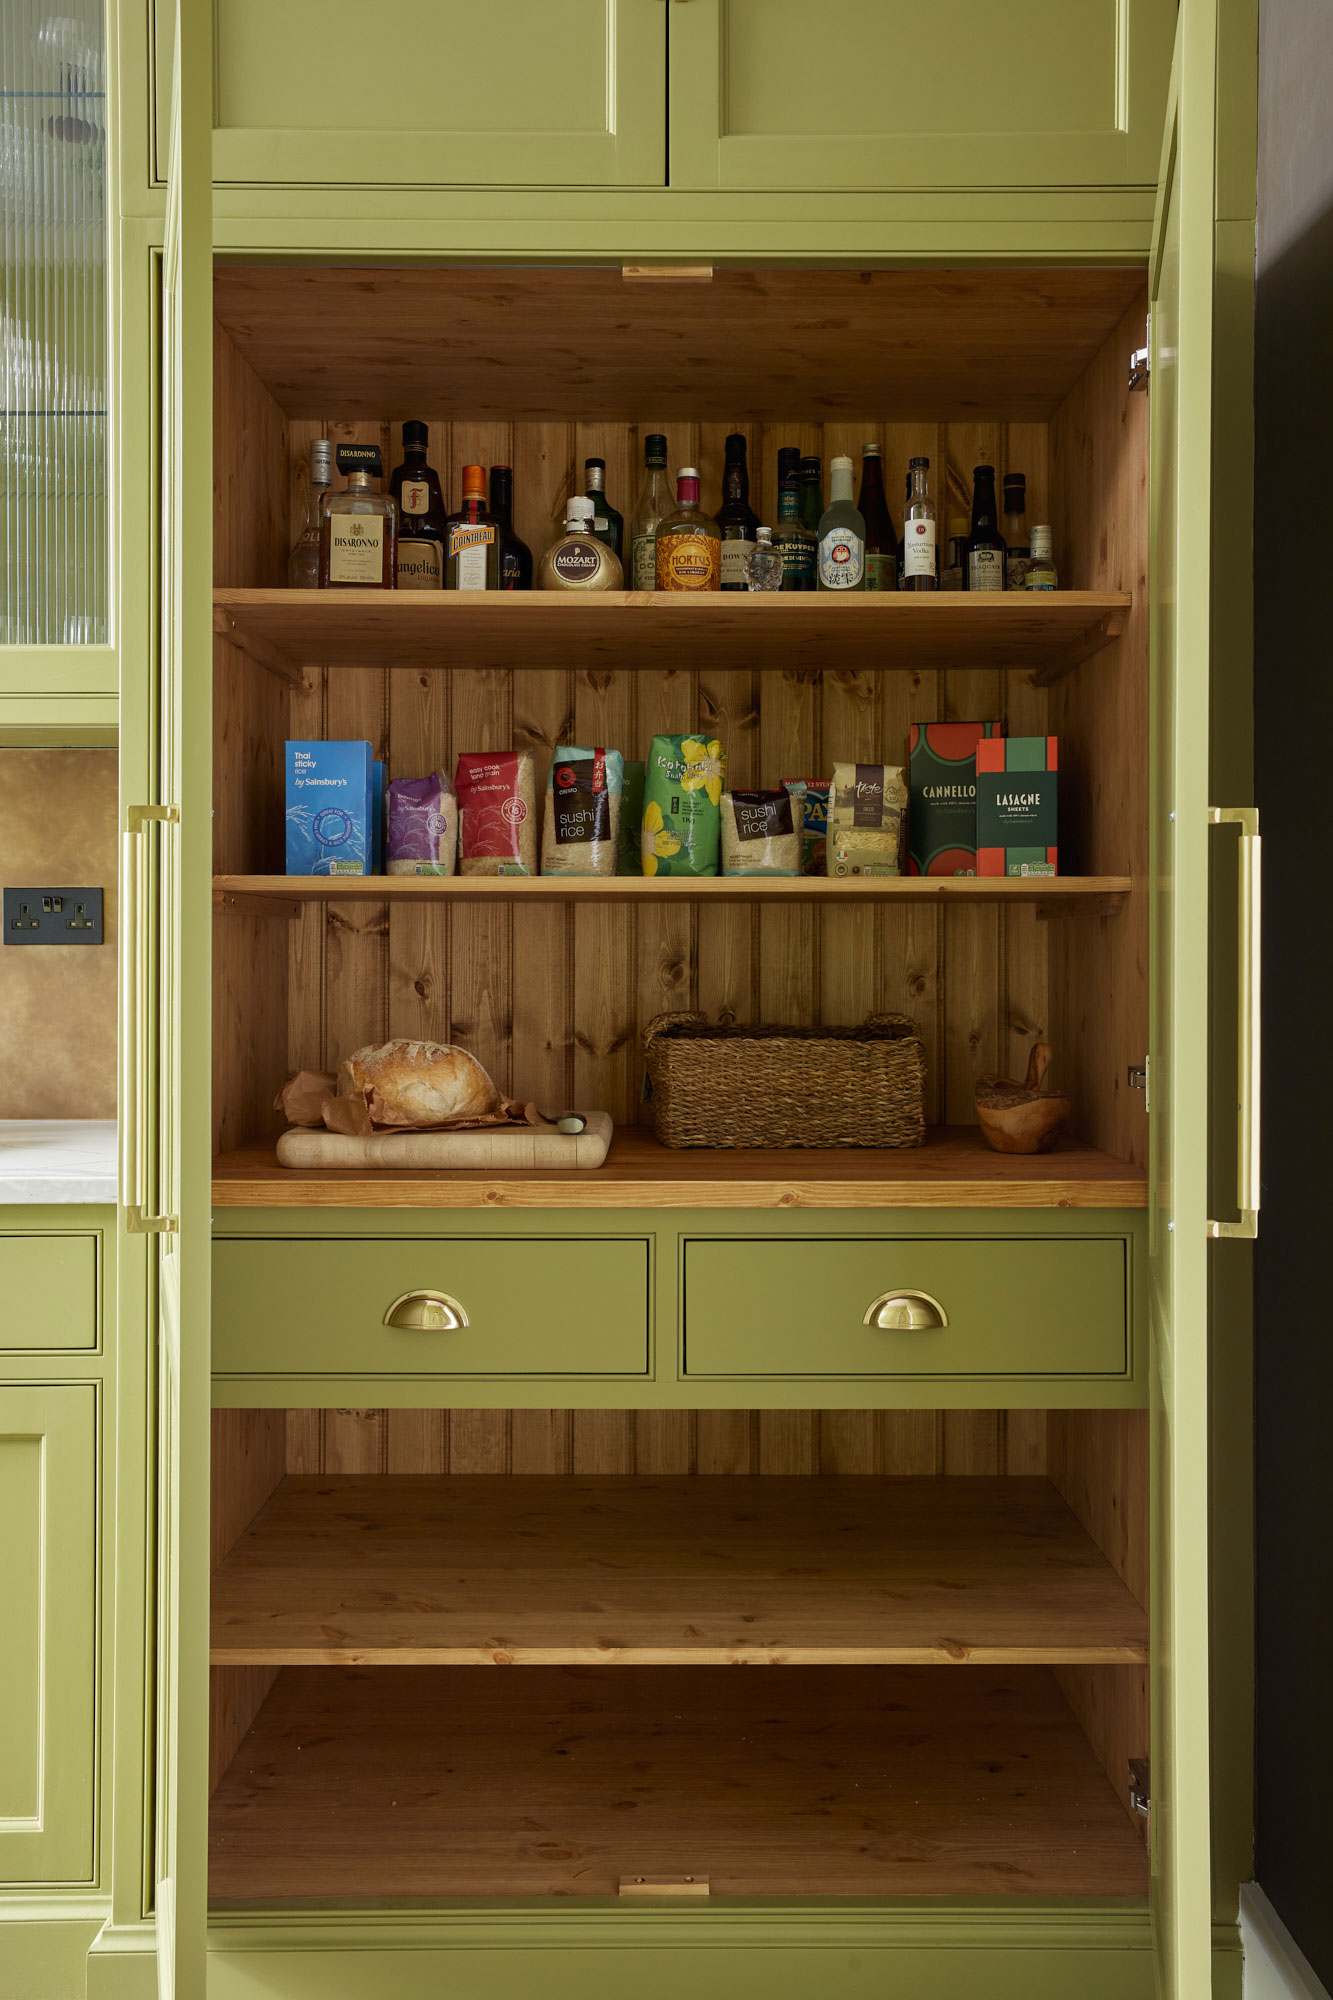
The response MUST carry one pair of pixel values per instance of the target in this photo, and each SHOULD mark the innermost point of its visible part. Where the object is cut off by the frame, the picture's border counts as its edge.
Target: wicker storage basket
(786, 1086)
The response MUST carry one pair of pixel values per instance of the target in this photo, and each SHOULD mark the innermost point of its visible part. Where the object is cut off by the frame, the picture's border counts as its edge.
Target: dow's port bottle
(655, 501)
(1017, 548)
(422, 514)
(472, 552)
(736, 518)
(984, 567)
(606, 522)
(881, 542)
(515, 555)
(358, 526)
(920, 557)
(794, 542)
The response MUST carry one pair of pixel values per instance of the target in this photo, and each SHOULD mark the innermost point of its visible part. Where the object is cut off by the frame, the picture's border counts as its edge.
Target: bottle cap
(922, 463)
(788, 460)
(763, 534)
(1015, 479)
(415, 432)
(735, 444)
(840, 465)
(687, 472)
(870, 451)
(654, 449)
(984, 472)
(594, 465)
(578, 511)
(812, 465)
(1041, 540)
(359, 458)
(474, 480)
(321, 462)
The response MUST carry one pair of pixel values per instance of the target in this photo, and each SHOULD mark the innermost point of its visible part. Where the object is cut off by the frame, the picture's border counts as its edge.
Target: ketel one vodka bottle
(579, 559)
(472, 551)
(842, 534)
(421, 514)
(359, 526)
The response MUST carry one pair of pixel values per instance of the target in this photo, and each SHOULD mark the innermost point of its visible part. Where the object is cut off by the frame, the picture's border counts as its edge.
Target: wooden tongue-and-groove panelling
(554, 1001)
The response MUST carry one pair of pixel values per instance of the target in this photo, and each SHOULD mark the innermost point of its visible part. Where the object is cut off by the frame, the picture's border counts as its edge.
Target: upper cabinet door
(516, 93)
(891, 94)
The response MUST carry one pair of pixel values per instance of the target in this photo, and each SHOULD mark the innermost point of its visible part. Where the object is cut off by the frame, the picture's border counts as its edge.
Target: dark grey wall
(1293, 672)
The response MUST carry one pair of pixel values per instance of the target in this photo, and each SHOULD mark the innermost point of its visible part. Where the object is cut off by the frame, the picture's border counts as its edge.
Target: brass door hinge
(1140, 1794)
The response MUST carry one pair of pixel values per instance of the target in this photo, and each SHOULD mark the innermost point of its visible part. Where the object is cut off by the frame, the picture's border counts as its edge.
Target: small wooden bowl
(1022, 1117)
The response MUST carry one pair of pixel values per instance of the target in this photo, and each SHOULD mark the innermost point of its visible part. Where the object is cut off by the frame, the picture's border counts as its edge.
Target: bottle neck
(359, 482)
(687, 493)
(983, 504)
(474, 505)
(840, 485)
(917, 488)
(736, 481)
(872, 478)
(596, 478)
(502, 497)
(789, 504)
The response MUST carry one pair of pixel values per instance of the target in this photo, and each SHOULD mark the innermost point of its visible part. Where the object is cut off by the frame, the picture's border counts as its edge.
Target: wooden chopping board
(515, 1149)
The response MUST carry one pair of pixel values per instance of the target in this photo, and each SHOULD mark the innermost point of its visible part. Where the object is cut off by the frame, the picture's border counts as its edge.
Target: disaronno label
(420, 565)
(687, 562)
(356, 548)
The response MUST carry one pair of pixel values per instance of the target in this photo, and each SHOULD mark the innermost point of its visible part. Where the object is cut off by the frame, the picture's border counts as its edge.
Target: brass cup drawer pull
(426, 1312)
(906, 1312)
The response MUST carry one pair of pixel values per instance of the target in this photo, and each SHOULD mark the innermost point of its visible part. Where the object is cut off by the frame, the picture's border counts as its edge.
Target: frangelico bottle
(736, 518)
(359, 526)
(422, 514)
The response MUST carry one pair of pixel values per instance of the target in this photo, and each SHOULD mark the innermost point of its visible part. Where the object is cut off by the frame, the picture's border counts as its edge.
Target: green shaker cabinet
(48, 1655)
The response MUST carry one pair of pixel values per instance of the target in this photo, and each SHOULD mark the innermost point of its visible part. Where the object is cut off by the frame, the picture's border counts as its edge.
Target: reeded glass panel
(53, 337)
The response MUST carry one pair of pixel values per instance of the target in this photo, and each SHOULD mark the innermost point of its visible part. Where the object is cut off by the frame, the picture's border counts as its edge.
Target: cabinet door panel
(516, 93)
(48, 1655)
(1044, 93)
(49, 1284)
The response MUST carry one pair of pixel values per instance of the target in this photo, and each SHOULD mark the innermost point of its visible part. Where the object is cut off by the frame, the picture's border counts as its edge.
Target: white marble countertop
(57, 1159)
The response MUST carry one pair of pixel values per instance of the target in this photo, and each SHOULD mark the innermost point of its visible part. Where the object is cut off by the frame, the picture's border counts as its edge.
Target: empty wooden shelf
(648, 631)
(953, 1169)
(857, 1571)
(364, 1782)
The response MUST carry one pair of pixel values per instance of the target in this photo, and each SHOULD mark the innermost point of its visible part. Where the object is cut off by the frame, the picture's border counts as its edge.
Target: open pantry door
(165, 1116)
(1181, 369)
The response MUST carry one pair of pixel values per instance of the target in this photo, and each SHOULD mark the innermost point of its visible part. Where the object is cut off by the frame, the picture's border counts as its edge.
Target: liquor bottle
(303, 563)
(951, 577)
(689, 542)
(764, 564)
(881, 542)
(422, 514)
(1015, 530)
(812, 492)
(606, 522)
(358, 539)
(654, 501)
(579, 559)
(984, 569)
(515, 556)
(794, 542)
(736, 518)
(472, 551)
(842, 534)
(920, 566)
(1041, 564)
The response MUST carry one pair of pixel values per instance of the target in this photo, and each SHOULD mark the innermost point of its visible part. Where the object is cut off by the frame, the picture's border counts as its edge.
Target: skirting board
(1275, 1966)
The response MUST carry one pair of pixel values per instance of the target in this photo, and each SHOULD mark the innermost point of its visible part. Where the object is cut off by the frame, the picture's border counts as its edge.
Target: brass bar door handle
(1249, 1067)
(906, 1312)
(426, 1312)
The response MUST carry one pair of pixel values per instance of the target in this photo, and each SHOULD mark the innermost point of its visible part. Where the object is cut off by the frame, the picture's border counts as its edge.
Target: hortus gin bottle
(359, 527)
(689, 542)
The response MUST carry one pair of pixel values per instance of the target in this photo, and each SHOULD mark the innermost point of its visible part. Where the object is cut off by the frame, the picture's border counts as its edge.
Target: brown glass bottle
(419, 497)
(515, 555)
(736, 517)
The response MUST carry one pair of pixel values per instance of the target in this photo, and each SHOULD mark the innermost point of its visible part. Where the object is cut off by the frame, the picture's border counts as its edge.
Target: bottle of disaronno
(358, 543)
(579, 559)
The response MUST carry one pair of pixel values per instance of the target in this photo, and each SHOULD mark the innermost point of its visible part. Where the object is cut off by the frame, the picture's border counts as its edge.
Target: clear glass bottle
(472, 551)
(655, 501)
(1017, 550)
(606, 522)
(515, 555)
(422, 514)
(951, 576)
(984, 568)
(689, 542)
(794, 542)
(920, 555)
(1041, 563)
(303, 562)
(842, 534)
(736, 518)
(764, 563)
(881, 541)
(579, 559)
(358, 540)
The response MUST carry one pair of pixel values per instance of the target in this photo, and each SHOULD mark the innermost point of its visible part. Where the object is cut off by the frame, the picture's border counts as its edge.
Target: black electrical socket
(53, 916)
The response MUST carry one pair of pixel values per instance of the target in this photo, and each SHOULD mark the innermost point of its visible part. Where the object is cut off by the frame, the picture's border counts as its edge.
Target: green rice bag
(630, 858)
(682, 805)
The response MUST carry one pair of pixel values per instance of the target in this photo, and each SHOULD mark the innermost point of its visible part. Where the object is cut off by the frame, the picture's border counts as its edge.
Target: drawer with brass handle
(878, 1308)
(412, 1306)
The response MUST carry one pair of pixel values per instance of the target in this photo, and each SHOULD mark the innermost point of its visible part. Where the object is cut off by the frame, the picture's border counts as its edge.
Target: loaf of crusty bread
(418, 1083)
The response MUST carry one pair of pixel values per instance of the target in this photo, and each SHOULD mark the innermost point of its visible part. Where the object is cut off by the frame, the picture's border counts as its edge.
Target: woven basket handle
(891, 1021)
(661, 1022)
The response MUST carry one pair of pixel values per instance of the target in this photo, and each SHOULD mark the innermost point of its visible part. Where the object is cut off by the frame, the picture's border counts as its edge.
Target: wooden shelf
(361, 1783)
(286, 630)
(523, 1571)
(954, 1169)
(1054, 895)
